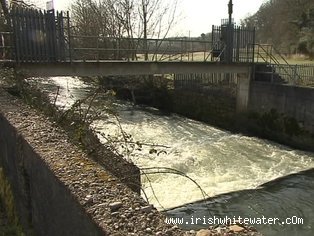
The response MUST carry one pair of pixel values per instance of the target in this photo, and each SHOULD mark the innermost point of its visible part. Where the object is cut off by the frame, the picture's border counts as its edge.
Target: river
(230, 168)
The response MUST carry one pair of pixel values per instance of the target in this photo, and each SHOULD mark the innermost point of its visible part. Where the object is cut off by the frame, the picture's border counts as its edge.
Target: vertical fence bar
(24, 42)
(204, 59)
(28, 36)
(15, 36)
(69, 36)
(20, 34)
(43, 16)
(37, 36)
(192, 50)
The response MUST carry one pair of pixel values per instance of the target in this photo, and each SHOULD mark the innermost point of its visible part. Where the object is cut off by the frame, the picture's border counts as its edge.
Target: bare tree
(157, 17)
(125, 20)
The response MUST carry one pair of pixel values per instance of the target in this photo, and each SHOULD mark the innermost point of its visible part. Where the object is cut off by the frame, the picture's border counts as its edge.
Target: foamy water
(217, 160)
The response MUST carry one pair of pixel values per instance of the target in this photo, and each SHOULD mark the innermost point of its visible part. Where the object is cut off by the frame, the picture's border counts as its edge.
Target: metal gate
(38, 36)
(232, 43)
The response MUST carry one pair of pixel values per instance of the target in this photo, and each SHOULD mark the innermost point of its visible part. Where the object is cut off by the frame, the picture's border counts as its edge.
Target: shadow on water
(291, 196)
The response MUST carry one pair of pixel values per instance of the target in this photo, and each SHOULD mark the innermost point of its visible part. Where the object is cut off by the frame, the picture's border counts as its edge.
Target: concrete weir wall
(58, 189)
(293, 101)
(44, 204)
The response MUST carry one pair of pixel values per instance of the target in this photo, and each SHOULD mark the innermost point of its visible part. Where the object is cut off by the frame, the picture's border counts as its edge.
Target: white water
(219, 161)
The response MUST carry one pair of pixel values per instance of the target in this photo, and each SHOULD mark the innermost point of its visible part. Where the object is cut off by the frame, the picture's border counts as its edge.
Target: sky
(197, 16)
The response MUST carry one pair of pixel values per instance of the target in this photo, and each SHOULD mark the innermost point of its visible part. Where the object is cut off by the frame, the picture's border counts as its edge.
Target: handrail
(296, 74)
(160, 49)
(142, 39)
(276, 61)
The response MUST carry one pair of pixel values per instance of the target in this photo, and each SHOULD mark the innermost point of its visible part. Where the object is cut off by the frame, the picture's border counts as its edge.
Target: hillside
(287, 24)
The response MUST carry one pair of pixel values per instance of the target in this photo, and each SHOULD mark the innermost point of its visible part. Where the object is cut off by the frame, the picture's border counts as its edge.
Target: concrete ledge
(58, 190)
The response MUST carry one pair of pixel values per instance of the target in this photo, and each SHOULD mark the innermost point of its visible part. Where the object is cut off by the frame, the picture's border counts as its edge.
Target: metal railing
(303, 74)
(279, 66)
(113, 48)
(84, 48)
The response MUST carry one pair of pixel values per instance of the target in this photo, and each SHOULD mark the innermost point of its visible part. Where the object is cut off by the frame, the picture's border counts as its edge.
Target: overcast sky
(199, 15)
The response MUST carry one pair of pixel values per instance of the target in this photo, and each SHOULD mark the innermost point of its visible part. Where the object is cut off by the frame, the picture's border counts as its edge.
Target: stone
(174, 227)
(147, 209)
(88, 196)
(236, 228)
(114, 214)
(115, 206)
(102, 205)
(204, 232)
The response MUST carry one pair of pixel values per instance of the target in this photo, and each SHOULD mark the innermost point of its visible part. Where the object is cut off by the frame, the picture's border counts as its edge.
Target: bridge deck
(112, 68)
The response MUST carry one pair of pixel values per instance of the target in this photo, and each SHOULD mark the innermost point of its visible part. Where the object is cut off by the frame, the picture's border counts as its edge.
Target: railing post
(295, 75)
(192, 50)
(97, 45)
(156, 54)
(204, 50)
(181, 50)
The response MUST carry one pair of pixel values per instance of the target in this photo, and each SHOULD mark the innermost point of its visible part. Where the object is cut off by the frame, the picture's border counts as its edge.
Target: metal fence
(38, 36)
(233, 43)
(271, 66)
(203, 81)
(302, 75)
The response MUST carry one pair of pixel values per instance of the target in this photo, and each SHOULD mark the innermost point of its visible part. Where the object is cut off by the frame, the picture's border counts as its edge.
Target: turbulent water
(219, 161)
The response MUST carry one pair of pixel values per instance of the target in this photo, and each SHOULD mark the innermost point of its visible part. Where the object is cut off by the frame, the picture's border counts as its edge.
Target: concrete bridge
(115, 68)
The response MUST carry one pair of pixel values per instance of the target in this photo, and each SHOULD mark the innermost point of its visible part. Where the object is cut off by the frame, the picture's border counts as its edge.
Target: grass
(6, 227)
(299, 61)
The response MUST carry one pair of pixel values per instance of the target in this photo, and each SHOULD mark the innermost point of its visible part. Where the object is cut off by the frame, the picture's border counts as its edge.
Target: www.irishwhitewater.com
(294, 220)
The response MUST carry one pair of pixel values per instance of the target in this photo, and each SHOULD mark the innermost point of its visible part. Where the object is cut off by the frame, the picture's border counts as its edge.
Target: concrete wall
(215, 105)
(243, 92)
(295, 102)
(44, 204)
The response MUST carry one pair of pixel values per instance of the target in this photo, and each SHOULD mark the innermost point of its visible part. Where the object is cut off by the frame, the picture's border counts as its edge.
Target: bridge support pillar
(243, 92)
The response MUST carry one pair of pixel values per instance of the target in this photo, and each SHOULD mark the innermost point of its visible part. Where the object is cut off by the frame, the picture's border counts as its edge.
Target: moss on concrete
(277, 127)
